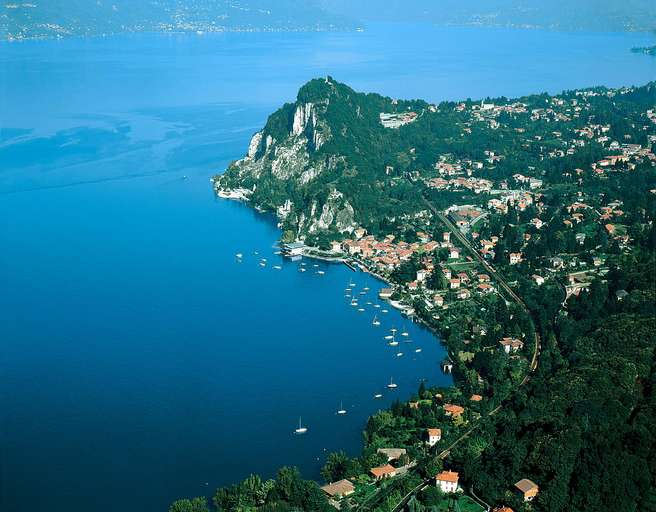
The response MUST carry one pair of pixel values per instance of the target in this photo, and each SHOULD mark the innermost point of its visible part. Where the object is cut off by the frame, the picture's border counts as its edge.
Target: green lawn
(463, 504)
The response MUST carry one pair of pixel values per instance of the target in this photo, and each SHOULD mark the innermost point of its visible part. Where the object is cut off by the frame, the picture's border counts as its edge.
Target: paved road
(493, 273)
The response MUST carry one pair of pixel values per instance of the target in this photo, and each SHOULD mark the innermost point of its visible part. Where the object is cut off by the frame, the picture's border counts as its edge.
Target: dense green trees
(189, 505)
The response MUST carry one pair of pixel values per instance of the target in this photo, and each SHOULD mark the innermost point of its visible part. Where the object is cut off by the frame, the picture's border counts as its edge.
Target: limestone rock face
(254, 146)
(336, 213)
(284, 157)
(302, 116)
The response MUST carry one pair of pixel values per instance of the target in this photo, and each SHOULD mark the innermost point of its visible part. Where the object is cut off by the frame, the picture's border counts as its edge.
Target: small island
(522, 231)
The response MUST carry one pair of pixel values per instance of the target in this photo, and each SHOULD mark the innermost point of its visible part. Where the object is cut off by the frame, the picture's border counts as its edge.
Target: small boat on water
(239, 255)
(366, 288)
(393, 330)
(418, 350)
(301, 429)
(391, 385)
(376, 306)
(399, 354)
(384, 311)
(354, 302)
(405, 332)
(301, 269)
(389, 337)
(315, 265)
(393, 343)
(360, 310)
(341, 410)
(262, 264)
(378, 395)
(320, 272)
(351, 284)
(375, 321)
(277, 267)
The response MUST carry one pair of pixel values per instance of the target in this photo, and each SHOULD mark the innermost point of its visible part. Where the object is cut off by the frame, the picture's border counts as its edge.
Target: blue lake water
(139, 361)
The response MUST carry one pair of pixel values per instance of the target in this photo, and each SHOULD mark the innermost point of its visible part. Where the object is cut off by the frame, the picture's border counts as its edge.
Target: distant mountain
(647, 50)
(606, 15)
(32, 19)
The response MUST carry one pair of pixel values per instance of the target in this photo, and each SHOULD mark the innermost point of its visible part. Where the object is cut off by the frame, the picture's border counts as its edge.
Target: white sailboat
(384, 311)
(301, 429)
(378, 395)
(376, 321)
(418, 350)
(391, 385)
(361, 310)
(405, 333)
(393, 330)
(341, 409)
(389, 337)
(399, 354)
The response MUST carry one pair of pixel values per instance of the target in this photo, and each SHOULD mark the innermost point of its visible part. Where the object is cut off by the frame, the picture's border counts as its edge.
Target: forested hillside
(522, 230)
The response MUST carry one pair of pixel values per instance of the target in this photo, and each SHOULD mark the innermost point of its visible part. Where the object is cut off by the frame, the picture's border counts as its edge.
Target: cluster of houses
(386, 254)
(476, 185)
(631, 155)
(465, 215)
(396, 120)
(464, 283)
(580, 212)
(518, 199)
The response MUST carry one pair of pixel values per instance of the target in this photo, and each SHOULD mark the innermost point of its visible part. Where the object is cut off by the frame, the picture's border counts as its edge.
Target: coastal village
(445, 276)
(492, 232)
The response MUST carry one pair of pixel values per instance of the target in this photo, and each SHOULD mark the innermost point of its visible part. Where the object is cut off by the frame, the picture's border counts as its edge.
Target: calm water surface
(139, 361)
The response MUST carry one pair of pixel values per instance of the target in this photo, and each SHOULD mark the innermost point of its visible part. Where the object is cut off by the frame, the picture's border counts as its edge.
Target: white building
(434, 435)
(293, 249)
(447, 481)
(511, 344)
(515, 258)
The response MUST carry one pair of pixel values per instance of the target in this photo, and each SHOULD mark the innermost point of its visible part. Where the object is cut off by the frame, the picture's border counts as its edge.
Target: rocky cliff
(314, 163)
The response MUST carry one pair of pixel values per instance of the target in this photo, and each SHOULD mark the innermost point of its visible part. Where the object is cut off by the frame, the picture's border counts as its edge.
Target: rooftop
(525, 485)
(447, 476)
(341, 488)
